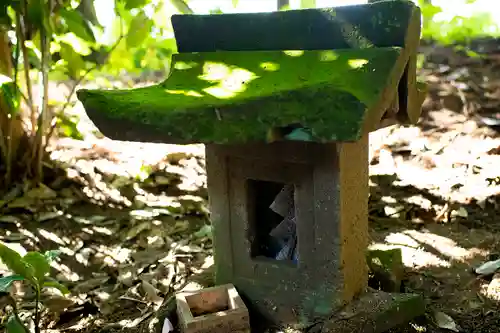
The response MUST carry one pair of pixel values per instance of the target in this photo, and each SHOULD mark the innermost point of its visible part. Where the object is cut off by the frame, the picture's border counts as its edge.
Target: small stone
(493, 291)
(388, 268)
(376, 312)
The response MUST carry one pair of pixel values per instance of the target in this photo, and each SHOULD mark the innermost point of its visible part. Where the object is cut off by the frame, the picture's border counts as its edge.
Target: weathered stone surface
(331, 184)
(239, 97)
(376, 312)
(360, 26)
(388, 268)
(216, 309)
(330, 94)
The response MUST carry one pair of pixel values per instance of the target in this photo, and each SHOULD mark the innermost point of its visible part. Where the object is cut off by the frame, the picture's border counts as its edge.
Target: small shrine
(284, 102)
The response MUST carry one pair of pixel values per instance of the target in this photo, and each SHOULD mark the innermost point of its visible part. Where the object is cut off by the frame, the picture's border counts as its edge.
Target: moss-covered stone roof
(243, 96)
(381, 24)
(239, 96)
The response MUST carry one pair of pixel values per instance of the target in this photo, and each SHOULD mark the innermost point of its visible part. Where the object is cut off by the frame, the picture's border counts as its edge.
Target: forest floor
(131, 219)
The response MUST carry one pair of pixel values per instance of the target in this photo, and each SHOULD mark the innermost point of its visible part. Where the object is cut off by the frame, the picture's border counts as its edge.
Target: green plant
(47, 40)
(32, 268)
(457, 30)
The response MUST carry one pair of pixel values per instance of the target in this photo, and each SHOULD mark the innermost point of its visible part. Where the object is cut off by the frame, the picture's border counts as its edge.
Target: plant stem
(44, 114)
(21, 38)
(53, 123)
(37, 310)
(12, 303)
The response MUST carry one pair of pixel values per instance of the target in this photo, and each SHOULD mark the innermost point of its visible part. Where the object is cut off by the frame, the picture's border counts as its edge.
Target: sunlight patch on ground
(445, 246)
(65, 273)
(114, 255)
(422, 249)
(51, 236)
(454, 166)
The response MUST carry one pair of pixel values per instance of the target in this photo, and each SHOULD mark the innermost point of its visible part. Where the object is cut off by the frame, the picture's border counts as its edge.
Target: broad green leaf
(77, 24)
(39, 263)
(11, 95)
(138, 56)
(36, 11)
(170, 44)
(73, 60)
(68, 127)
(139, 30)
(182, 6)
(87, 9)
(163, 53)
(15, 262)
(6, 282)
(52, 255)
(4, 16)
(131, 4)
(14, 326)
(51, 283)
(235, 3)
(79, 45)
(38, 15)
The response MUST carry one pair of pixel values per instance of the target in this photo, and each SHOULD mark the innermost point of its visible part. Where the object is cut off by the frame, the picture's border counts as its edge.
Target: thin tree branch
(71, 93)
(21, 31)
(182, 6)
(44, 49)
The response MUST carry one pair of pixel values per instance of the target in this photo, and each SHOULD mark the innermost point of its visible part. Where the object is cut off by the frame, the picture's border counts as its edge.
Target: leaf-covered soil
(131, 219)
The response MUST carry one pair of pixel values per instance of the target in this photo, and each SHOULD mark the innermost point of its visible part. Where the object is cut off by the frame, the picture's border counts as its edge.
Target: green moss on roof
(234, 97)
(381, 24)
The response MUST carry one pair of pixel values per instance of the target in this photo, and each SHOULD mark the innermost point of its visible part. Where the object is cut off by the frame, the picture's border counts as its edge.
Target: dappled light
(181, 65)
(269, 66)
(190, 93)
(423, 249)
(357, 63)
(294, 53)
(127, 224)
(231, 81)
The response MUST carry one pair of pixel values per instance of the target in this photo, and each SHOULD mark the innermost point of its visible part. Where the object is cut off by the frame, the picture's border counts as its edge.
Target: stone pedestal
(331, 198)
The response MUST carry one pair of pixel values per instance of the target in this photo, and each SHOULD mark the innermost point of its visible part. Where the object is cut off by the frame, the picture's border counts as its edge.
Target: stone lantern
(284, 102)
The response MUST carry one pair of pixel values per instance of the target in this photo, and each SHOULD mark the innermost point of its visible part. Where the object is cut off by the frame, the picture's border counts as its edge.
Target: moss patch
(224, 97)
(382, 24)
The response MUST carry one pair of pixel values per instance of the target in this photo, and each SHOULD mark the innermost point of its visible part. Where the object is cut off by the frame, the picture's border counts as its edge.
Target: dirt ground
(131, 219)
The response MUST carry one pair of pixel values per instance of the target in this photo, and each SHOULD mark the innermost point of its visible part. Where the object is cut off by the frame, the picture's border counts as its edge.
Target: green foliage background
(459, 29)
(141, 36)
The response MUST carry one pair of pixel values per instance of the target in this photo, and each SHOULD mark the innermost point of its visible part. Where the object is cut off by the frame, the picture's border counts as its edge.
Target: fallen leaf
(461, 212)
(446, 322)
(41, 192)
(488, 268)
(205, 231)
(137, 229)
(127, 275)
(49, 216)
(23, 202)
(90, 285)
(9, 219)
(57, 304)
(151, 292)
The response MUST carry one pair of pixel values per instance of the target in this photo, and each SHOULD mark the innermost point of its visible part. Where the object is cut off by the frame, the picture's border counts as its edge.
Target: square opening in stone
(271, 209)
